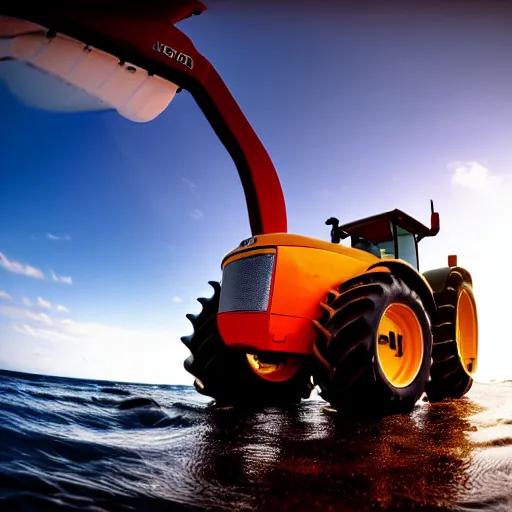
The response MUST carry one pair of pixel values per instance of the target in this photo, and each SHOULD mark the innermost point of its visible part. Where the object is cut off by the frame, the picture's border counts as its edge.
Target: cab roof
(377, 228)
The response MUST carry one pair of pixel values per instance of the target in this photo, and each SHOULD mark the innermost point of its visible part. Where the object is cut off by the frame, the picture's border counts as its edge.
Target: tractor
(360, 322)
(356, 320)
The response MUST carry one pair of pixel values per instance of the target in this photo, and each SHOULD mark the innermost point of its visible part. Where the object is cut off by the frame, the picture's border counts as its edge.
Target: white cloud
(475, 228)
(61, 279)
(5, 295)
(20, 268)
(120, 353)
(474, 176)
(44, 303)
(190, 184)
(94, 350)
(29, 271)
(177, 299)
(91, 330)
(197, 214)
(55, 237)
(67, 328)
(12, 312)
(72, 330)
(38, 332)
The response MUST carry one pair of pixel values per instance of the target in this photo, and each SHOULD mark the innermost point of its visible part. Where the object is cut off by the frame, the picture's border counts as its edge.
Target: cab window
(387, 250)
(407, 247)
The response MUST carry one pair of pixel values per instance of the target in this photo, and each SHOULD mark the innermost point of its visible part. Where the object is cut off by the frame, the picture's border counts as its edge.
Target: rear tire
(225, 374)
(351, 375)
(450, 373)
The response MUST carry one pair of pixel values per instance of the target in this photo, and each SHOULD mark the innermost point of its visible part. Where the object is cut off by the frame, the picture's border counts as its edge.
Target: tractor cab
(388, 235)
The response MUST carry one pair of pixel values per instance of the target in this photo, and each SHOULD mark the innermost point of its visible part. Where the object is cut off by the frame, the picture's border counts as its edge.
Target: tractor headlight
(246, 284)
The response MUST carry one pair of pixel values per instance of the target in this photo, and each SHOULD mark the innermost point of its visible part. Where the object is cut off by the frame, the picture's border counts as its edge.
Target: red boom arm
(148, 38)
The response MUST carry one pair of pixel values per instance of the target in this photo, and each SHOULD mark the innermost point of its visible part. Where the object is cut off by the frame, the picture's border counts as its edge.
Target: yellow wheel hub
(466, 331)
(400, 345)
(276, 369)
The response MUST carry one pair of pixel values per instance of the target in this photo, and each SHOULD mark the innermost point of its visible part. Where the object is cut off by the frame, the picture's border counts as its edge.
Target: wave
(88, 445)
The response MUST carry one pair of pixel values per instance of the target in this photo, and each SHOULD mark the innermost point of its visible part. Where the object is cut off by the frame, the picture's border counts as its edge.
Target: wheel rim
(466, 331)
(400, 345)
(274, 367)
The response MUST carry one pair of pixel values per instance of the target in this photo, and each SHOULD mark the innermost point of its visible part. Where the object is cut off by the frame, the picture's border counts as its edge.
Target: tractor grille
(246, 284)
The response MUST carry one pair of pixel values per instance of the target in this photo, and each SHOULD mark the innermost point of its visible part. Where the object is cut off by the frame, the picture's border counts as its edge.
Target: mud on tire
(225, 374)
(349, 373)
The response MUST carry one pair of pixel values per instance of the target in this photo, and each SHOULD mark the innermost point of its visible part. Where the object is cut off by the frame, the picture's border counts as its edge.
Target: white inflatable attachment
(61, 74)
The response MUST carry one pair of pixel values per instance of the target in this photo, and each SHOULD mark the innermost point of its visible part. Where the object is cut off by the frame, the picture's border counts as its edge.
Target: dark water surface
(85, 445)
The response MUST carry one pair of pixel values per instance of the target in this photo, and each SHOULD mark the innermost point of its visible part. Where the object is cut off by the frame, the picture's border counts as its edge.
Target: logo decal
(182, 58)
(394, 341)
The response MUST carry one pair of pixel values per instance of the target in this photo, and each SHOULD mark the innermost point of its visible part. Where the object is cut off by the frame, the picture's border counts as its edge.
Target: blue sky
(122, 224)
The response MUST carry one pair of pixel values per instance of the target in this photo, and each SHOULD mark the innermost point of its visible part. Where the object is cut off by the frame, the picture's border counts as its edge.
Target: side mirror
(434, 220)
(337, 234)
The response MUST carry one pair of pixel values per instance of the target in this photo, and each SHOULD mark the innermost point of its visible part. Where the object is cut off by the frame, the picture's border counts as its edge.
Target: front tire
(375, 346)
(227, 375)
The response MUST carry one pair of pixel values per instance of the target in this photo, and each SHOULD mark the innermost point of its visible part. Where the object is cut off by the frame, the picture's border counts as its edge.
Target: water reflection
(452, 454)
(303, 459)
